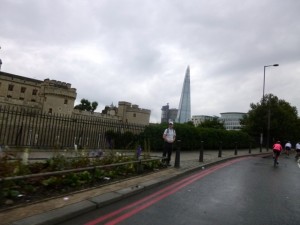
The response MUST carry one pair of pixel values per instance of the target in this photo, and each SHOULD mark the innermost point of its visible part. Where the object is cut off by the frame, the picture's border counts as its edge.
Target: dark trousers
(276, 153)
(168, 148)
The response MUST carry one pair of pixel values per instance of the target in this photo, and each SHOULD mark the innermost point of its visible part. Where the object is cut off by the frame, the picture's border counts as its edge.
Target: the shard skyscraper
(184, 109)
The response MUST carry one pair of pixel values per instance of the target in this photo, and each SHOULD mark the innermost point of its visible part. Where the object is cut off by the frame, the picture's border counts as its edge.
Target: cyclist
(297, 148)
(277, 148)
(288, 147)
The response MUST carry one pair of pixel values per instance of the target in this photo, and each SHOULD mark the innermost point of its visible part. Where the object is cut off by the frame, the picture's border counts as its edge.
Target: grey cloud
(138, 51)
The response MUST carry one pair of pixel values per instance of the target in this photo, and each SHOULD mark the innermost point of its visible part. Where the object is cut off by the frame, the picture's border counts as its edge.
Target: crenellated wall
(56, 97)
(133, 114)
(49, 96)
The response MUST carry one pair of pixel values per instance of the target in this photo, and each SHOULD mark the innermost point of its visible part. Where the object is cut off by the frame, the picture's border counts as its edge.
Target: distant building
(173, 114)
(133, 114)
(165, 113)
(168, 114)
(184, 109)
(198, 119)
(231, 120)
(56, 97)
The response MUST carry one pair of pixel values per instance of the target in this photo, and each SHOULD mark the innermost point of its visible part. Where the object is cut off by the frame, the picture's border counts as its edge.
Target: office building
(198, 119)
(184, 109)
(231, 120)
(168, 114)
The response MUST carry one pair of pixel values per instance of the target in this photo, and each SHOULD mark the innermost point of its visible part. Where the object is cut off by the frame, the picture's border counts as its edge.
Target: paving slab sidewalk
(53, 211)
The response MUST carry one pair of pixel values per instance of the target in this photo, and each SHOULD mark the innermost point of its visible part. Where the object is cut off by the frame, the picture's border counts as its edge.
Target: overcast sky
(138, 50)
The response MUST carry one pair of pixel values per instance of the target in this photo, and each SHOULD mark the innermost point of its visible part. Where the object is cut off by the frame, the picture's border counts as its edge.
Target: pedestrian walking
(139, 152)
(169, 137)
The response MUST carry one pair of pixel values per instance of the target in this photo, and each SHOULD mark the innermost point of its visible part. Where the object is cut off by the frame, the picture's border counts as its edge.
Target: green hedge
(190, 137)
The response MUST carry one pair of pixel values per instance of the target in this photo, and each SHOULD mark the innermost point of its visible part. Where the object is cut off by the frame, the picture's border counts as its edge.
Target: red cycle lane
(127, 211)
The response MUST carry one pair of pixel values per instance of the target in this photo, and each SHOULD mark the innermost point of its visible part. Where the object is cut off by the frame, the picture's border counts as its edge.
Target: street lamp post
(265, 79)
(269, 111)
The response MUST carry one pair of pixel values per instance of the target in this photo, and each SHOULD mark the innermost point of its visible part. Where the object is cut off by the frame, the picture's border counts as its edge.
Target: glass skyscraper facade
(232, 120)
(184, 109)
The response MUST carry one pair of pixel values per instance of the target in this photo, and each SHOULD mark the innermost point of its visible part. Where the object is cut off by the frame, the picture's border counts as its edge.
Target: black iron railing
(31, 128)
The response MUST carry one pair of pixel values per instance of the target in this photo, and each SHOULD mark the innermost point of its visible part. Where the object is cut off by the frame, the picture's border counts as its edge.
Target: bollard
(220, 150)
(201, 153)
(177, 156)
(250, 148)
(235, 149)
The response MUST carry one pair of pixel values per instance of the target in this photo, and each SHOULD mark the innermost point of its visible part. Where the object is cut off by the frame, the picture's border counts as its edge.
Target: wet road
(242, 191)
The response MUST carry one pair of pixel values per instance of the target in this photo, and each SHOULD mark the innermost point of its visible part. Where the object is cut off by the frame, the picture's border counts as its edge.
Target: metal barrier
(139, 162)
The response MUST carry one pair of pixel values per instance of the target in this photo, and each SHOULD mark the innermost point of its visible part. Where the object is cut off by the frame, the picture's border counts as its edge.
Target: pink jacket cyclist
(277, 147)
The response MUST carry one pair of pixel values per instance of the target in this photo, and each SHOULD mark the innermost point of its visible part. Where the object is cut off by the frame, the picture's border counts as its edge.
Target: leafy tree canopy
(284, 122)
(86, 105)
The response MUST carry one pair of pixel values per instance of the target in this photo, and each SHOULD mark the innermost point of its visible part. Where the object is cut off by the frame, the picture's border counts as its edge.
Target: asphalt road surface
(246, 191)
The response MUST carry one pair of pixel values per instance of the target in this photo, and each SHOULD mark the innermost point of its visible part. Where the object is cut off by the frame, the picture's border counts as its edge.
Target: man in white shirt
(169, 137)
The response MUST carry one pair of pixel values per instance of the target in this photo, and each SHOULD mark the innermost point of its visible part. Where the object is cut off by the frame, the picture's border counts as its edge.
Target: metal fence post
(261, 141)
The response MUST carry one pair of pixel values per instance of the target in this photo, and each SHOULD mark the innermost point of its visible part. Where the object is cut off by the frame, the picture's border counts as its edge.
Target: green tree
(86, 105)
(214, 123)
(283, 119)
(94, 106)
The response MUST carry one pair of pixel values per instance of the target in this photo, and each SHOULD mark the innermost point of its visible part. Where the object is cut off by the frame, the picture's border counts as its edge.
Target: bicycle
(275, 157)
(297, 154)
